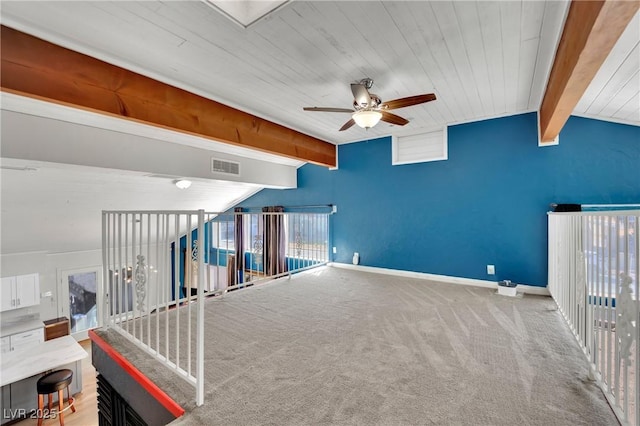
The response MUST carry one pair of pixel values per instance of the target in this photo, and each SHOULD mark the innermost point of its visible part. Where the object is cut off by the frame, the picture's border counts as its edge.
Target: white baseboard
(528, 289)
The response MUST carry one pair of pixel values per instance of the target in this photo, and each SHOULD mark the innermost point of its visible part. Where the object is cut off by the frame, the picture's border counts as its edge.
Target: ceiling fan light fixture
(366, 119)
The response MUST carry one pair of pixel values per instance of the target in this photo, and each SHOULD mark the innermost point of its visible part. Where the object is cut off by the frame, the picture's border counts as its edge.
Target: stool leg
(40, 408)
(50, 401)
(60, 406)
(71, 400)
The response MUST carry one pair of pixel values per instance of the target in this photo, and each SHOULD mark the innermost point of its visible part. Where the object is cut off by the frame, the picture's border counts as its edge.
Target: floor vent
(224, 166)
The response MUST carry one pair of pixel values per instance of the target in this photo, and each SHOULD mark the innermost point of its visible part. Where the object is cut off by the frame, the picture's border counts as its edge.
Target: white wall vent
(420, 148)
(225, 166)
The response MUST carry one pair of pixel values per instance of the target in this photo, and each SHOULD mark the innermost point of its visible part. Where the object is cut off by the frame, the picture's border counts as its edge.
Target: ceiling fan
(368, 109)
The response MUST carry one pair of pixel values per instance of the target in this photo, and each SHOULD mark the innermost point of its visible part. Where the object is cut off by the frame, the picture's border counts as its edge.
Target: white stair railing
(142, 289)
(158, 266)
(593, 277)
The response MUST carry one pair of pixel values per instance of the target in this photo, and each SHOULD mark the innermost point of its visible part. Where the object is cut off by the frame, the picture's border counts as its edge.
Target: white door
(79, 288)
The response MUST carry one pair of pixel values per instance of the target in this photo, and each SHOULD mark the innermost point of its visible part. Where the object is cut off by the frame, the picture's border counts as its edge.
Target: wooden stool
(48, 385)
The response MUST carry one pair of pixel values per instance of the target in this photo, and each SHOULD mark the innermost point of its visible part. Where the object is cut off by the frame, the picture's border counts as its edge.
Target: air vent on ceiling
(224, 166)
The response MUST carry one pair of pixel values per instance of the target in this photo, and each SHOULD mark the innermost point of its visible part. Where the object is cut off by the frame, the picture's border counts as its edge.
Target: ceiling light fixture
(183, 183)
(246, 12)
(366, 119)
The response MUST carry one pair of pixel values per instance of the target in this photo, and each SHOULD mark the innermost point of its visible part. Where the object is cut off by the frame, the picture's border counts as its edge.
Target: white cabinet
(28, 290)
(20, 292)
(5, 344)
(26, 339)
(8, 288)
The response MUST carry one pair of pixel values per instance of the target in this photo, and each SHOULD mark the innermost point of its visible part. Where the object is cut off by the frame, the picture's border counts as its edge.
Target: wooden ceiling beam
(591, 30)
(38, 69)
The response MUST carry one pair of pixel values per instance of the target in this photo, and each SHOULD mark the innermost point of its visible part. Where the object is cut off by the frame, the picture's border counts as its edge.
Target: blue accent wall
(486, 204)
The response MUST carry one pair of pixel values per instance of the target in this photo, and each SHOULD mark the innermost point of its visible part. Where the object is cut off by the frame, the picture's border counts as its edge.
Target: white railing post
(176, 285)
(102, 295)
(200, 313)
(636, 259)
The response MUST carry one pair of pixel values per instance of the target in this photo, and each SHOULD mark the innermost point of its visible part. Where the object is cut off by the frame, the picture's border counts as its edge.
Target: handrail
(594, 268)
(159, 267)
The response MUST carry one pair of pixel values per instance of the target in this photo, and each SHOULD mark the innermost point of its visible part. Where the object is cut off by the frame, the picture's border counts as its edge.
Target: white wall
(28, 137)
(49, 267)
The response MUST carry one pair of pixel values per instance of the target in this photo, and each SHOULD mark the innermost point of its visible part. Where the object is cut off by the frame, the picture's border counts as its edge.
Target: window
(223, 234)
(253, 232)
(307, 236)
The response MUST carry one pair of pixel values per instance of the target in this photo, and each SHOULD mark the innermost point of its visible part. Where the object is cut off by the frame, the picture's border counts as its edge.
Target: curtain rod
(610, 205)
(564, 208)
(293, 207)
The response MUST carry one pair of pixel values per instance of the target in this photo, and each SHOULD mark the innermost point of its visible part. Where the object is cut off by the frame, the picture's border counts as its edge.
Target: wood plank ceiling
(614, 92)
(482, 59)
(590, 32)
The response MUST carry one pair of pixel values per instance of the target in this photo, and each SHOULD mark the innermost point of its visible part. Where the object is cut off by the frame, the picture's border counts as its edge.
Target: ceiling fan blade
(322, 109)
(361, 95)
(393, 119)
(411, 100)
(347, 125)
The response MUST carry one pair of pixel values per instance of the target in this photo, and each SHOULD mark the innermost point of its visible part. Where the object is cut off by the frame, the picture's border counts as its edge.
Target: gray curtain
(239, 244)
(275, 261)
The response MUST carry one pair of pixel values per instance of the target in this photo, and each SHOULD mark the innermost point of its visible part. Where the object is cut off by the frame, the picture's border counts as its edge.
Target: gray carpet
(335, 346)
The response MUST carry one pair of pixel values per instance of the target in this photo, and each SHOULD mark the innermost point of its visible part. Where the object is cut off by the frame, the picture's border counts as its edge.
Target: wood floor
(86, 402)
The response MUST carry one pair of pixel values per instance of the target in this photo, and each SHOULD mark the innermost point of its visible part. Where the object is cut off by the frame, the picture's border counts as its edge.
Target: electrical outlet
(491, 269)
(335, 250)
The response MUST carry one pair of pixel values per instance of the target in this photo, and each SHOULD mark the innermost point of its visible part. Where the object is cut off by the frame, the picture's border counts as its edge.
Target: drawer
(27, 339)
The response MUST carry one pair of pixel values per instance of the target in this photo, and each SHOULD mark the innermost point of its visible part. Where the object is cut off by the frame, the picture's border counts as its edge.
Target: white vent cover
(420, 148)
(225, 166)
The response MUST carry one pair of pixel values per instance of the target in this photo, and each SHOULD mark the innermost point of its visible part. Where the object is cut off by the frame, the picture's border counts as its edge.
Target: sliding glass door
(79, 304)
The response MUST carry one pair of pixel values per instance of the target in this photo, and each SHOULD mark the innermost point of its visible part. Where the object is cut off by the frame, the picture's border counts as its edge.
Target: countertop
(18, 326)
(20, 364)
